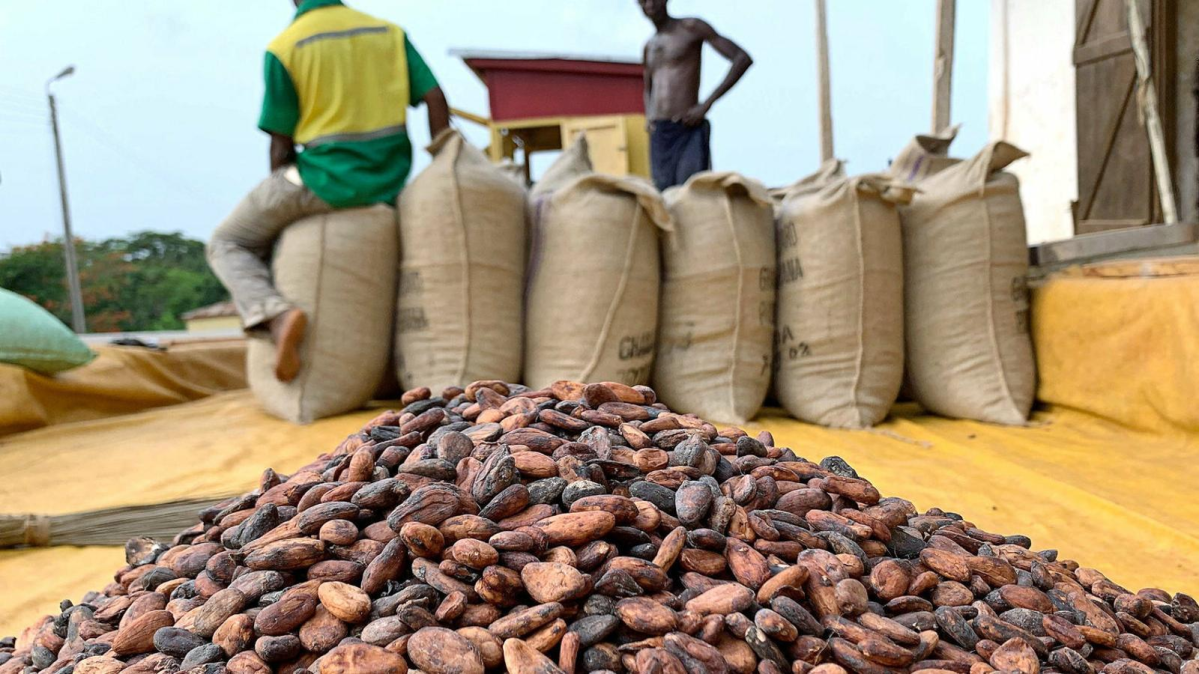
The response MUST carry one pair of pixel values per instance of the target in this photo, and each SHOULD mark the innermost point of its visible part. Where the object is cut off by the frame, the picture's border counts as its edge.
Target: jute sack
(340, 269)
(966, 262)
(830, 170)
(786, 255)
(925, 155)
(840, 306)
(461, 270)
(513, 171)
(573, 163)
(592, 305)
(716, 323)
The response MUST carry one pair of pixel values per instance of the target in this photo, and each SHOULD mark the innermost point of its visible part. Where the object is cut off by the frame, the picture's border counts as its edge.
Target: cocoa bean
(552, 582)
(521, 658)
(437, 650)
(138, 636)
(292, 610)
(176, 641)
(362, 659)
(522, 622)
(646, 616)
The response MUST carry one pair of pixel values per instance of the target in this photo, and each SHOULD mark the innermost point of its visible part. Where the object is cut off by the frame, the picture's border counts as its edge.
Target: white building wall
(1031, 96)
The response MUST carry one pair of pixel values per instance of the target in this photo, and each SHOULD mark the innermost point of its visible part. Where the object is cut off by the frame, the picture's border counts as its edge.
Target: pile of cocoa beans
(586, 528)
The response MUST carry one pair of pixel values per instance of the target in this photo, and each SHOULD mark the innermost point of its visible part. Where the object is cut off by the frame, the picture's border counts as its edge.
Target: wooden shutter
(1115, 170)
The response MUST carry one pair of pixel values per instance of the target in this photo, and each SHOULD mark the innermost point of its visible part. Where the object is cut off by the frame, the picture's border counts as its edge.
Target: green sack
(32, 337)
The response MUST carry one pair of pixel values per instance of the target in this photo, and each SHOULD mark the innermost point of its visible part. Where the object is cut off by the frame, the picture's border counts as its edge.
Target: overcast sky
(159, 120)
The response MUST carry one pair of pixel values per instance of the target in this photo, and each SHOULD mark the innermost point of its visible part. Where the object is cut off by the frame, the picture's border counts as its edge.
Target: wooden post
(824, 90)
(1147, 98)
(943, 65)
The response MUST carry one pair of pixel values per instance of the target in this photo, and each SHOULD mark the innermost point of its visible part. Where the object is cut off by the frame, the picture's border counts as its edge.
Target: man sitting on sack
(338, 83)
(678, 125)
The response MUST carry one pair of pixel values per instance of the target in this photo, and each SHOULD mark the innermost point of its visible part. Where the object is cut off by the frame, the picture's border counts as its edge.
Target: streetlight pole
(78, 322)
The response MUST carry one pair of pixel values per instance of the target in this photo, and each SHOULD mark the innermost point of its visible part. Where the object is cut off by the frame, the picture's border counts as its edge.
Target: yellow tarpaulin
(121, 380)
(33, 581)
(1123, 348)
(214, 447)
(1112, 489)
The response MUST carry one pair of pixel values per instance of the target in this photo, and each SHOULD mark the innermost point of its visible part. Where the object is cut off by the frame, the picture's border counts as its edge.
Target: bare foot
(287, 331)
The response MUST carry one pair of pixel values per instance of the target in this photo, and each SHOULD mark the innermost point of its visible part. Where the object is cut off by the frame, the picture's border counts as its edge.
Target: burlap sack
(340, 269)
(966, 263)
(574, 162)
(461, 271)
(840, 305)
(592, 305)
(830, 170)
(513, 171)
(716, 323)
(925, 155)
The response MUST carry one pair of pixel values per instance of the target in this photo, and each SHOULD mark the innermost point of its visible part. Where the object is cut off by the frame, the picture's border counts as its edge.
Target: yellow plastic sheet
(122, 380)
(33, 582)
(1122, 348)
(209, 448)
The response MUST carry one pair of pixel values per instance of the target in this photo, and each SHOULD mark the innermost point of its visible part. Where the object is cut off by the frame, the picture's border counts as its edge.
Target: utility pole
(943, 65)
(824, 90)
(78, 322)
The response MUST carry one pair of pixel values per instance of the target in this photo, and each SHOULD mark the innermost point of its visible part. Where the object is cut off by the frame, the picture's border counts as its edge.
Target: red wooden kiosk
(542, 102)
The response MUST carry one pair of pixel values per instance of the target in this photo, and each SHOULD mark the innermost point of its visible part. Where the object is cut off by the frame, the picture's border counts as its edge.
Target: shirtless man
(679, 129)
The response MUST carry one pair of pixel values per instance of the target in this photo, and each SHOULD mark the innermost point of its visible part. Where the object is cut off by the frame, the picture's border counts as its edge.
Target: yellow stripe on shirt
(343, 102)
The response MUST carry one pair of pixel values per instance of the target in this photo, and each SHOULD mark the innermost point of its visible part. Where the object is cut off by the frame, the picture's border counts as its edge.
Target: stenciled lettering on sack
(680, 343)
(787, 237)
(1020, 299)
(1020, 291)
(790, 271)
(1023, 325)
(637, 346)
(786, 346)
(634, 375)
(766, 313)
(411, 282)
(767, 278)
(412, 319)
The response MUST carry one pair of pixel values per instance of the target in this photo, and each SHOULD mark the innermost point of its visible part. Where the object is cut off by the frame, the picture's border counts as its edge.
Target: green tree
(169, 276)
(142, 282)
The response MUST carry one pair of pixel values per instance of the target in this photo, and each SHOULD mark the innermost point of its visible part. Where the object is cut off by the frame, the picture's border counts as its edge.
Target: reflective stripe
(337, 34)
(352, 137)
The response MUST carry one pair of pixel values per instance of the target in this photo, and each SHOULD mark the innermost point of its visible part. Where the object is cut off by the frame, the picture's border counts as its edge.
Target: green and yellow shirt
(340, 82)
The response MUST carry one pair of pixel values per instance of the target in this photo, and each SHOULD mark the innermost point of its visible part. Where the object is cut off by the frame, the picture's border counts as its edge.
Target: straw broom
(110, 526)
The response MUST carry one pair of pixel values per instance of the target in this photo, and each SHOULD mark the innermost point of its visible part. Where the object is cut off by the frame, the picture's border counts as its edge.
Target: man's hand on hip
(695, 116)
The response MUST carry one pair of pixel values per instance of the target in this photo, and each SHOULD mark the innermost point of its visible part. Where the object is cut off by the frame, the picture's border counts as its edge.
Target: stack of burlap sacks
(713, 292)
(922, 267)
